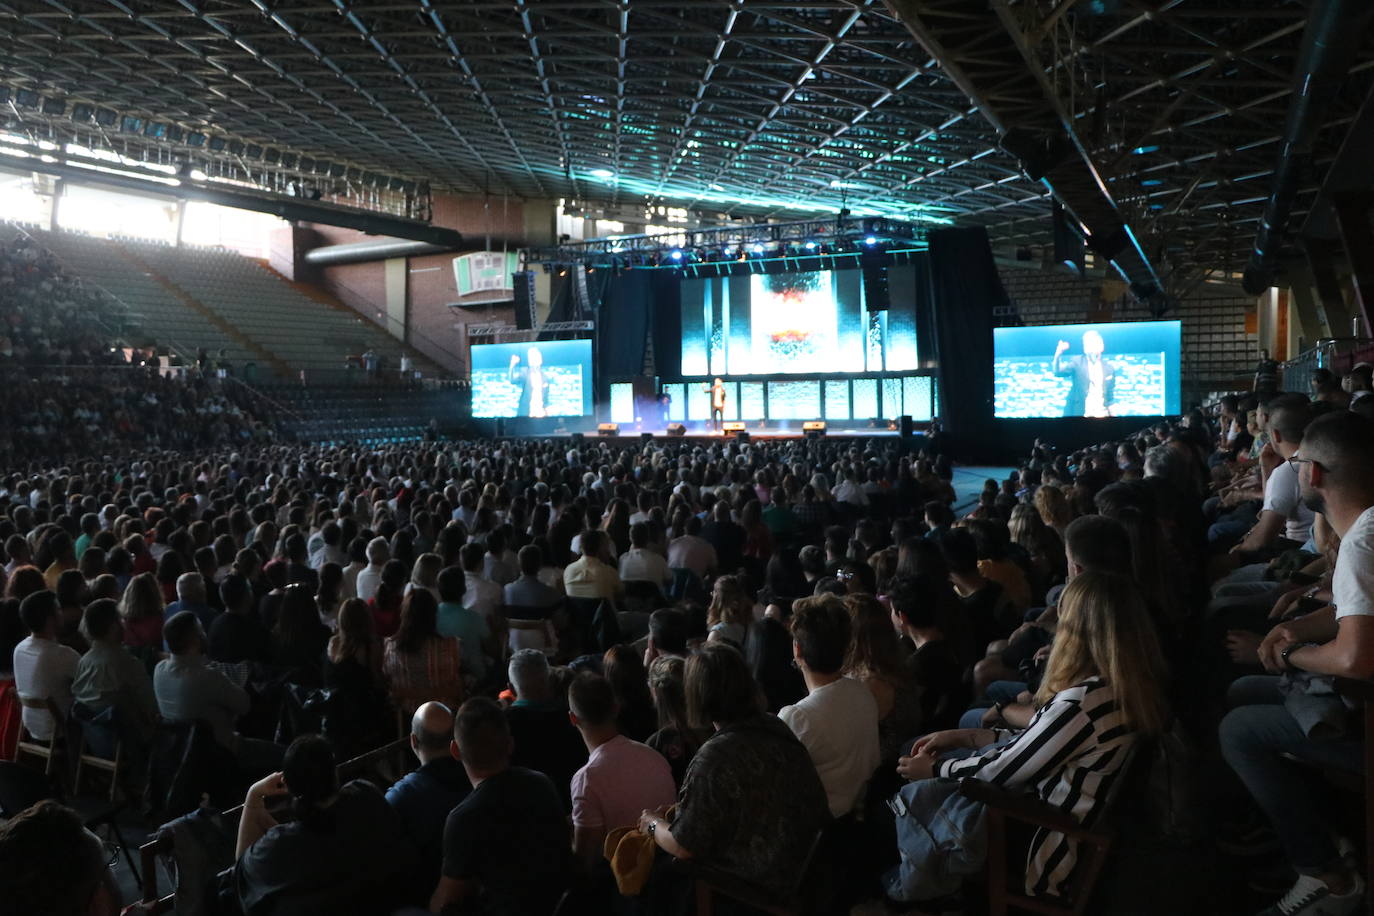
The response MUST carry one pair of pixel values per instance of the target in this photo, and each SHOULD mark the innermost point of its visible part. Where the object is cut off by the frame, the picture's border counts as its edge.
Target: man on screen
(534, 384)
(1093, 390)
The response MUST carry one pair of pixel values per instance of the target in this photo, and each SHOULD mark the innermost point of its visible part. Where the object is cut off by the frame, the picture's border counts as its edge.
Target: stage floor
(755, 434)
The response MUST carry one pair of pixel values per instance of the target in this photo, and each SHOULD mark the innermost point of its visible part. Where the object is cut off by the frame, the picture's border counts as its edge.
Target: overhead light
(758, 248)
(130, 124)
(1142, 150)
(601, 173)
(810, 246)
(26, 98)
(195, 138)
(871, 240)
(53, 106)
(675, 254)
(82, 112)
(105, 117)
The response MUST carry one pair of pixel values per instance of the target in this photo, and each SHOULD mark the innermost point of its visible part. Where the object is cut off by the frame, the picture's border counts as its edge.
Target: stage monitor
(1124, 369)
(795, 323)
(547, 378)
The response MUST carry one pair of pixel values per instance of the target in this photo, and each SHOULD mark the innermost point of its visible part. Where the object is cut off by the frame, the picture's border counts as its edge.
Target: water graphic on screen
(794, 323)
(1122, 369)
(548, 378)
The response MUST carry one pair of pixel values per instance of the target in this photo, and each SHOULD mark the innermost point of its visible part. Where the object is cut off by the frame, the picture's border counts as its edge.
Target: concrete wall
(411, 297)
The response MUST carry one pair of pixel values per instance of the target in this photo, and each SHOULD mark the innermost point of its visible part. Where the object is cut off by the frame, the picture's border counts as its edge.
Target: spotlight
(26, 98)
(82, 112)
(155, 130)
(175, 134)
(676, 254)
(54, 106)
(195, 139)
(105, 117)
(217, 144)
(871, 240)
(810, 246)
(757, 249)
(130, 124)
(254, 151)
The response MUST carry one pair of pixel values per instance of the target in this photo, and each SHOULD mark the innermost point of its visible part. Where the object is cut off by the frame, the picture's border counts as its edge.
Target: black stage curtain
(622, 324)
(965, 288)
(666, 298)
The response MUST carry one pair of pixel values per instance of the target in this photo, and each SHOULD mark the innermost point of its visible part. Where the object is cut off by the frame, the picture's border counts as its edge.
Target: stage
(703, 436)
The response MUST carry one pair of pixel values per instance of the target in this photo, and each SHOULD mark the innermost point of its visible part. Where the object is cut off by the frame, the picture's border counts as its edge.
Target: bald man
(424, 797)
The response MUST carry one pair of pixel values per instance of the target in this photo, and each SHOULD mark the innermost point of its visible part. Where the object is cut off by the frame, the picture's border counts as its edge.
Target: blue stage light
(871, 240)
(676, 254)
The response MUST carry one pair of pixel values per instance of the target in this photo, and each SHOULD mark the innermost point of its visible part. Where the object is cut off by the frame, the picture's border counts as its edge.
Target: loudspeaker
(677, 429)
(524, 299)
(905, 426)
(814, 429)
(608, 429)
(873, 264)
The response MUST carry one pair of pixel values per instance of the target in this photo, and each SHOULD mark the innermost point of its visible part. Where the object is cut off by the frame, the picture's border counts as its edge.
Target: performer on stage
(717, 392)
(534, 384)
(665, 403)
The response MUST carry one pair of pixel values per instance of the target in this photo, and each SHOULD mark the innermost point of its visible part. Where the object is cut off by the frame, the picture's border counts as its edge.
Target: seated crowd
(736, 654)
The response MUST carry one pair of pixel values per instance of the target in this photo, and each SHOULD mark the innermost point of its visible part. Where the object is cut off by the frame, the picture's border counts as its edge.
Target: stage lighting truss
(85, 135)
(725, 248)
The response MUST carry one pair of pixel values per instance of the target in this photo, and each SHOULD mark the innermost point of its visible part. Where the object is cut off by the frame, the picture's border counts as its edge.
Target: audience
(506, 847)
(44, 669)
(1041, 616)
(343, 848)
(751, 803)
(424, 797)
(621, 778)
(838, 719)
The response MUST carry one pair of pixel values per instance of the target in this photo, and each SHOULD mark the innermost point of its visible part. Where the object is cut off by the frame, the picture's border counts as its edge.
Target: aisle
(968, 483)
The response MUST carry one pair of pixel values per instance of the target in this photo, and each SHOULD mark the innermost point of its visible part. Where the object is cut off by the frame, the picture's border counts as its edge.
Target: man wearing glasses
(1335, 468)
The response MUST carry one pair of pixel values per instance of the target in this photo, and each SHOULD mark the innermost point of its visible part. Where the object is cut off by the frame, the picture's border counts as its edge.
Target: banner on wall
(487, 274)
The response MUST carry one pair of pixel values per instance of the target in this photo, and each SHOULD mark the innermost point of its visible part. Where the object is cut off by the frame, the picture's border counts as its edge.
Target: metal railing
(1338, 354)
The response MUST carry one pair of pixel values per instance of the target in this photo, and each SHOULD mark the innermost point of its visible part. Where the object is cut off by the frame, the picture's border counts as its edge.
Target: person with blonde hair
(731, 611)
(1053, 507)
(1102, 690)
(141, 608)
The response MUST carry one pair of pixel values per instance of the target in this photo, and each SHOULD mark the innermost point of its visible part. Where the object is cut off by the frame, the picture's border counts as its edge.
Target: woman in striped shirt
(1103, 689)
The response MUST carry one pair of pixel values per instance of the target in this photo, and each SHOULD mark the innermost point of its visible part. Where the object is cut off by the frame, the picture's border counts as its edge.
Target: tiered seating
(372, 414)
(303, 332)
(154, 310)
(158, 313)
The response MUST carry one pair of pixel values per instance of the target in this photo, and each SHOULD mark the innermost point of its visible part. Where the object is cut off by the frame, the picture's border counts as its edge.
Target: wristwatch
(1283, 656)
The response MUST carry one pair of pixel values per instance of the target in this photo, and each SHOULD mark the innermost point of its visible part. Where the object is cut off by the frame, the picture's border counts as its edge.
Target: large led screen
(548, 378)
(793, 323)
(1125, 369)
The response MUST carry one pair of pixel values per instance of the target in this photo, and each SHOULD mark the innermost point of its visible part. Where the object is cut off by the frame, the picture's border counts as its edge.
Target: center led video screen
(792, 323)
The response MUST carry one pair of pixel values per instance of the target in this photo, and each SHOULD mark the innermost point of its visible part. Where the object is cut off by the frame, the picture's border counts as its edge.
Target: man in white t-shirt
(43, 668)
(1335, 467)
(1283, 514)
(838, 718)
(642, 564)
